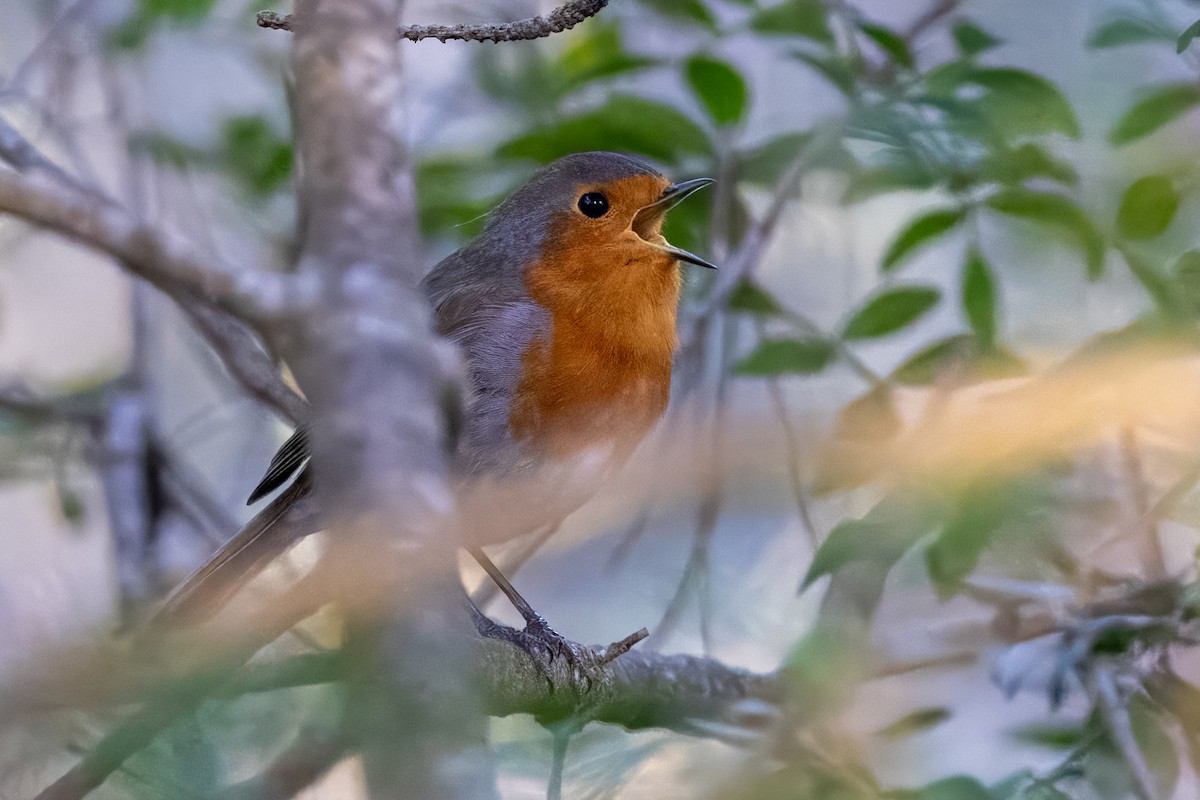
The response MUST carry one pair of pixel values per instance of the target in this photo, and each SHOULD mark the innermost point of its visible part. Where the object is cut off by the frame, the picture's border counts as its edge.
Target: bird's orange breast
(601, 374)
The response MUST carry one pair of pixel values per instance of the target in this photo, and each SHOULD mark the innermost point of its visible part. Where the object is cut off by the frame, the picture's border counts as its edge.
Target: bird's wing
(289, 458)
(287, 519)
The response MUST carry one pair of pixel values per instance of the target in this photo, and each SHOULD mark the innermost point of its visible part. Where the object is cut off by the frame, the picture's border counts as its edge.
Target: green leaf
(1026, 161)
(787, 356)
(922, 369)
(188, 10)
(1185, 39)
(916, 722)
(979, 299)
(720, 88)
(889, 41)
(1054, 209)
(1165, 104)
(890, 311)
(766, 162)
(953, 555)
(958, 787)
(920, 231)
(1147, 207)
(807, 18)
(689, 10)
(972, 39)
(625, 123)
(837, 69)
(748, 298)
(1062, 736)
(1126, 30)
(165, 150)
(1187, 275)
(448, 197)
(257, 157)
(595, 53)
(880, 538)
(1020, 103)
(869, 418)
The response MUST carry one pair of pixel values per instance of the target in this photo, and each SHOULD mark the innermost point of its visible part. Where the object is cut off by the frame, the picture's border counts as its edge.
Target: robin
(563, 309)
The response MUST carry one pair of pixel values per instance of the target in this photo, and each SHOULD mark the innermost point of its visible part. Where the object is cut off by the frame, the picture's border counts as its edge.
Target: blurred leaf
(889, 41)
(1185, 39)
(807, 18)
(897, 172)
(1156, 110)
(1108, 771)
(165, 150)
(920, 231)
(720, 88)
(1054, 209)
(748, 298)
(1024, 162)
(596, 52)
(690, 10)
(869, 418)
(835, 68)
(1172, 303)
(1187, 275)
(967, 533)
(70, 502)
(890, 311)
(255, 156)
(972, 39)
(916, 722)
(765, 163)
(1018, 102)
(1062, 736)
(958, 787)
(952, 352)
(1147, 207)
(786, 356)
(447, 195)
(190, 10)
(979, 299)
(626, 123)
(1127, 29)
(880, 538)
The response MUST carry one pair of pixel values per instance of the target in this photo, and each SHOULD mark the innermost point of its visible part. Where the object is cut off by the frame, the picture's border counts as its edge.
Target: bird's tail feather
(272, 531)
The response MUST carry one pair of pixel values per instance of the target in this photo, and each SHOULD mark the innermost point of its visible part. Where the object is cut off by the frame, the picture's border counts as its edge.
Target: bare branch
(563, 18)
(172, 266)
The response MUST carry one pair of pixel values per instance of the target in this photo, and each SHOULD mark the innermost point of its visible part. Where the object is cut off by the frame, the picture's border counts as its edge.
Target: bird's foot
(546, 646)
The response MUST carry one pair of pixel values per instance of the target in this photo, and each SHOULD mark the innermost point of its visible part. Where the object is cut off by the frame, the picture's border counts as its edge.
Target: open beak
(672, 196)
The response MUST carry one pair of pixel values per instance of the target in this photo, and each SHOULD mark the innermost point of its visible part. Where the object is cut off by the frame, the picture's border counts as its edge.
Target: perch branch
(563, 18)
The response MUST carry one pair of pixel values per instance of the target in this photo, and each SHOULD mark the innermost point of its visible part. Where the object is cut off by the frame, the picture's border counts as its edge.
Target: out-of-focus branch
(302, 764)
(237, 347)
(170, 265)
(15, 149)
(107, 756)
(248, 363)
(563, 18)
(124, 471)
(368, 362)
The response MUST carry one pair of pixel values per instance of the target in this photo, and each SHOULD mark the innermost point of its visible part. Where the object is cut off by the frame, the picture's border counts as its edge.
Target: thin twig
(618, 649)
(1121, 727)
(512, 565)
(563, 18)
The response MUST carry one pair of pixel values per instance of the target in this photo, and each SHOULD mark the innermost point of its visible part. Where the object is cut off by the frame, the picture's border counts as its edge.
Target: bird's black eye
(594, 205)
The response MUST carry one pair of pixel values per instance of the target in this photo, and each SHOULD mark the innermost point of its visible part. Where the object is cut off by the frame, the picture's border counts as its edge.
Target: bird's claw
(547, 644)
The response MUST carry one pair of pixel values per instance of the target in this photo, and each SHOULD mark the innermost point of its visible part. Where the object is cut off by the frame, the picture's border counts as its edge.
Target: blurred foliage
(975, 144)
